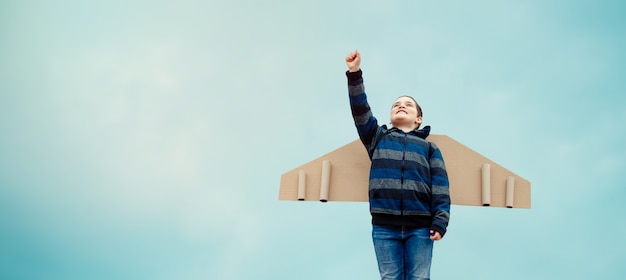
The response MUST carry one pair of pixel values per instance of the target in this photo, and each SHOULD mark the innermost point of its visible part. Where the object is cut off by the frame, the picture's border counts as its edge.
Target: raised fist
(353, 60)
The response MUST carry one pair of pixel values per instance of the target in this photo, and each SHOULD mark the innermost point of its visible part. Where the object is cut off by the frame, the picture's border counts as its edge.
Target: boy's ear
(418, 120)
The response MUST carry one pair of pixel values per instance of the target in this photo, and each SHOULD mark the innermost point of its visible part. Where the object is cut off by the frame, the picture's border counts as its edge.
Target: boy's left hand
(435, 235)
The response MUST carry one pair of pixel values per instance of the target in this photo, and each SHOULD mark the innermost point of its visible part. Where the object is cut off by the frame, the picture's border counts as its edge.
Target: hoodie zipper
(402, 177)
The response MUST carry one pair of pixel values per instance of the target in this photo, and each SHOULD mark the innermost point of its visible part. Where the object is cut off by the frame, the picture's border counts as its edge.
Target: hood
(421, 133)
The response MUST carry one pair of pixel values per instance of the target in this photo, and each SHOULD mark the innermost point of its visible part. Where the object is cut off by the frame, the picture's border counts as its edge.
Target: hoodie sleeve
(440, 199)
(366, 123)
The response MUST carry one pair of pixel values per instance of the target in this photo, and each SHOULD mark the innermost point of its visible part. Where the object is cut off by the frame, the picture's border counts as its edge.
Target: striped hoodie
(408, 184)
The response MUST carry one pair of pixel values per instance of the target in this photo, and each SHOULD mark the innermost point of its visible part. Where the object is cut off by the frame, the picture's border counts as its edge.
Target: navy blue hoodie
(408, 184)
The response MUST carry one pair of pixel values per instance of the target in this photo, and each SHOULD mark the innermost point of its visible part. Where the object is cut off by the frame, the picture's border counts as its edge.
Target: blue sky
(146, 139)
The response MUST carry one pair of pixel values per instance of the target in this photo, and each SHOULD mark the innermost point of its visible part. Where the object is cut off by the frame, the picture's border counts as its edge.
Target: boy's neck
(406, 128)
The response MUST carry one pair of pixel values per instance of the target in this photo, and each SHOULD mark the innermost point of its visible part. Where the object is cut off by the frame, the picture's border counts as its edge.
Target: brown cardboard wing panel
(349, 174)
(464, 173)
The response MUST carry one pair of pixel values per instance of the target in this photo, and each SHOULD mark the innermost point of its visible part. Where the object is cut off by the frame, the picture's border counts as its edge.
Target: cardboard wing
(342, 175)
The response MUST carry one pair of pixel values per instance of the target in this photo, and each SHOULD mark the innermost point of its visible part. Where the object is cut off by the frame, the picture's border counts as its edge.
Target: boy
(408, 186)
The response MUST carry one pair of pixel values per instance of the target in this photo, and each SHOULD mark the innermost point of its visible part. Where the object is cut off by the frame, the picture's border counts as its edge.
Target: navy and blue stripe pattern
(408, 181)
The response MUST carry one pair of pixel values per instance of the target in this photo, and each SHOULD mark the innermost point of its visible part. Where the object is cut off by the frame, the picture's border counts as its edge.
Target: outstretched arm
(366, 123)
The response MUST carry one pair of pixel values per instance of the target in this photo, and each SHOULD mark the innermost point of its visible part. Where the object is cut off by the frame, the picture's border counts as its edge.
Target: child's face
(404, 112)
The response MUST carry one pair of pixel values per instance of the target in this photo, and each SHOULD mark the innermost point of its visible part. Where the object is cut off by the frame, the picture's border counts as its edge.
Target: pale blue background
(146, 139)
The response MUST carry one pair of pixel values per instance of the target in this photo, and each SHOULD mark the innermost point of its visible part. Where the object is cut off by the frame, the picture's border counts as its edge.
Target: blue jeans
(402, 253)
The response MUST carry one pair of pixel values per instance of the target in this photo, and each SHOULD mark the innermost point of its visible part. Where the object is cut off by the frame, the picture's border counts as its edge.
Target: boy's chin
(401, 121)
